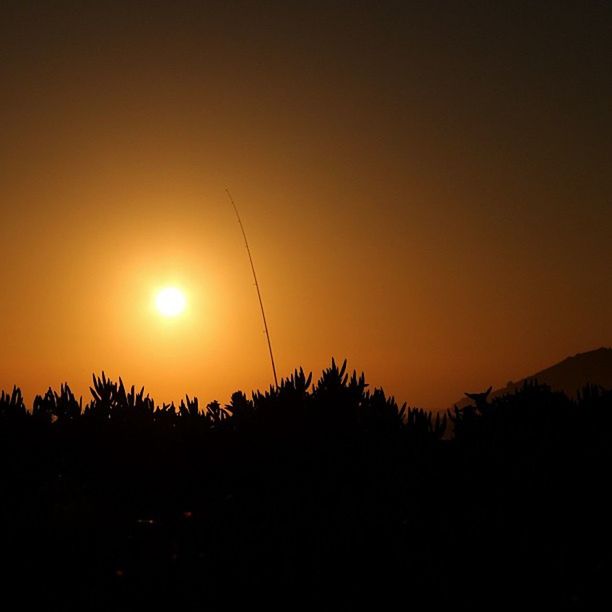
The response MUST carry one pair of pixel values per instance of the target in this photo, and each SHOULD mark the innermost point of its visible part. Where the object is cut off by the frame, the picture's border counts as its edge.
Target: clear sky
(426, 188)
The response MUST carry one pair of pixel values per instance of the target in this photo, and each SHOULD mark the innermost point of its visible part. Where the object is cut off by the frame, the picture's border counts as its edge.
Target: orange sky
(425, 187)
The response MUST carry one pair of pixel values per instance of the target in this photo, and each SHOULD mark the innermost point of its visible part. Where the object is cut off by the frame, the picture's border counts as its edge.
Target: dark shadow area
(320, 496)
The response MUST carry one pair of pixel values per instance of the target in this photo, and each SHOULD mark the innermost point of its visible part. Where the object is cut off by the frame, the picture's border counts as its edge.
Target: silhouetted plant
(295, 386)
(12, 406)
(337, 399)
(189, 408)
(422, 425)
(111, 401)
(215, 414)
(131, 404)
(54, 406)
(333, 381)
(240, 406)
(103, 393)
(377, 410)
(166, 414)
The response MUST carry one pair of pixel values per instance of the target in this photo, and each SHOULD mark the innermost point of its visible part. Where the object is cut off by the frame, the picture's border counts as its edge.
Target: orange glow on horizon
(427, 198)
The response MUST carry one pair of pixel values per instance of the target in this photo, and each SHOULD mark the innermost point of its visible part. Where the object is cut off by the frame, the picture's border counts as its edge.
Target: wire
(263, 313)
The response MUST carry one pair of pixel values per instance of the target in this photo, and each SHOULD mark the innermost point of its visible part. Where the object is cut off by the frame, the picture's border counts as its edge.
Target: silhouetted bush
(12, 407)
(323, 494)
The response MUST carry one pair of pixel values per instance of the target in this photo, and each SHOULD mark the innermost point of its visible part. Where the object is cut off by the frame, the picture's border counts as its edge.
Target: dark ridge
(570, 375)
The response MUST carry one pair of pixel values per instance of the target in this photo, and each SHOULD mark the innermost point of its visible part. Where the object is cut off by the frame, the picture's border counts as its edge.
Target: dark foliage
(322, 494)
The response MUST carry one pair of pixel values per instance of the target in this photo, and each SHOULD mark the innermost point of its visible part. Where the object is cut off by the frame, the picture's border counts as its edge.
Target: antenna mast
(263, 314)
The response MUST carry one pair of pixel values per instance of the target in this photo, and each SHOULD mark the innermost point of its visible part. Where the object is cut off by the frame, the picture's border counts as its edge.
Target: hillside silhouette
(569, 376)
(323, 494)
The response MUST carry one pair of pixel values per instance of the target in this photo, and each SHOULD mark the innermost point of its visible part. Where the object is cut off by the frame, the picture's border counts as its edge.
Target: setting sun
(170, 302)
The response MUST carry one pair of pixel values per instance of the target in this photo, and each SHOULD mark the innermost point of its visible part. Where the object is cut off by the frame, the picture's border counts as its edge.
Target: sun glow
(170, 302)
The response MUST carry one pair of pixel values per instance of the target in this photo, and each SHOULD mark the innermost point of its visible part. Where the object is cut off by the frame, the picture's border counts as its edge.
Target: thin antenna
(263, 314)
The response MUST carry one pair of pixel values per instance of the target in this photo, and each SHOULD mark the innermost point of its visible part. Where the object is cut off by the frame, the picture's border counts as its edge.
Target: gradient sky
(426, 188)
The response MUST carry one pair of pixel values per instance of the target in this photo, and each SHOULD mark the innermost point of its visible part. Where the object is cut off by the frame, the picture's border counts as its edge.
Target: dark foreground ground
(321, 497)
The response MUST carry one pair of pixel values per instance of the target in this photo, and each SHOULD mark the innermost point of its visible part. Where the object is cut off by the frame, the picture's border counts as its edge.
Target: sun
(170, 302)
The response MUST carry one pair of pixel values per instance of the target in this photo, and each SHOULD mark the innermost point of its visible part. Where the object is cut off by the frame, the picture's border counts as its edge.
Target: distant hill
(569, 375)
